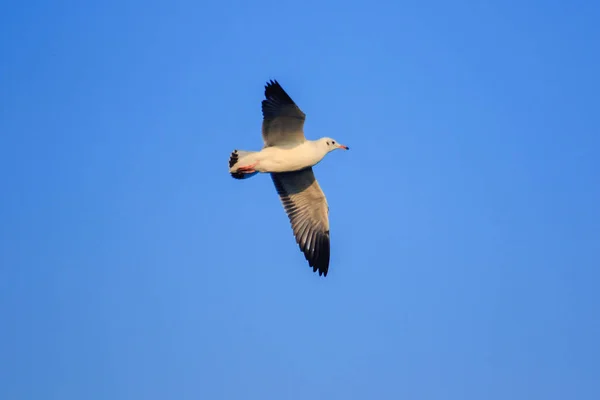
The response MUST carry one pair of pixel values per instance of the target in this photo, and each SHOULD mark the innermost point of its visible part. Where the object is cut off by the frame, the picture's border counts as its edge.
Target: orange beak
(341, 146)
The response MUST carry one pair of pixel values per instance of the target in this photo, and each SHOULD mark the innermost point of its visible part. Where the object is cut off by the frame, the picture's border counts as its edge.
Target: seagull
(289, 157)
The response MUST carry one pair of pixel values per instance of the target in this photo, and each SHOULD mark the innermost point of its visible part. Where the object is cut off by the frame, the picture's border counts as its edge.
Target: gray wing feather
(308, 212)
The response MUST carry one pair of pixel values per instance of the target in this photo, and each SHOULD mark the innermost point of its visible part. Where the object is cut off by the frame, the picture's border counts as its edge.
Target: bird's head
(332, 144)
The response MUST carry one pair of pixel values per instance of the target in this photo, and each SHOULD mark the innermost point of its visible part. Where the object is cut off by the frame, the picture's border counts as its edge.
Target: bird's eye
(333, 142)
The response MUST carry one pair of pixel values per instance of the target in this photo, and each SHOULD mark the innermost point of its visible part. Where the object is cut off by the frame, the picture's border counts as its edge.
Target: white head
(331, 144)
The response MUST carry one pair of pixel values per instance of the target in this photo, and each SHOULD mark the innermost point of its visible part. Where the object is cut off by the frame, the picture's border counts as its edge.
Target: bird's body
(289, 158)
(284, 158)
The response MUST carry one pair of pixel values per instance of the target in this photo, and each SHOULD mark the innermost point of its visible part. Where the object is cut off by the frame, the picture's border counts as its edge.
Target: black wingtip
(275, 97)
(278, 102)
(274, 89)
(320, 260)
(270, 86)
(233, 158)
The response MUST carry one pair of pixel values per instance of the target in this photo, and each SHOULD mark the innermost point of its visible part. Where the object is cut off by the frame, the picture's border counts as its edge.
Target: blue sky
(465, 223)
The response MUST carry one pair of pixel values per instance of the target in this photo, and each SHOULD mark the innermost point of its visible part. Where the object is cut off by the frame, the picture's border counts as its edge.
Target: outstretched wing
(283, 121)
(308, 212)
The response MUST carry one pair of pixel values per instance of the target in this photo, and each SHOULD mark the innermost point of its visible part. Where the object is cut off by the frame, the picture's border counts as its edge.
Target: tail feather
(234, 158)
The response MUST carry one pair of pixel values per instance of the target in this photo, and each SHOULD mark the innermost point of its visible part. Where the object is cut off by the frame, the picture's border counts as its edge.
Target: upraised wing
(283, 121)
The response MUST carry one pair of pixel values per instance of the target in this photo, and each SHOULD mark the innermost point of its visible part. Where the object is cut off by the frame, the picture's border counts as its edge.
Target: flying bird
(289, 157)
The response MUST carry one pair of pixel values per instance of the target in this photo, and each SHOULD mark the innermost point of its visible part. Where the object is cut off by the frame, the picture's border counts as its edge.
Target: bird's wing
(307, 209)
(283, 121)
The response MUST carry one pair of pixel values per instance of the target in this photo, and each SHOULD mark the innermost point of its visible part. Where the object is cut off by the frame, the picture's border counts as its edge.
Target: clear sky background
(465, 219)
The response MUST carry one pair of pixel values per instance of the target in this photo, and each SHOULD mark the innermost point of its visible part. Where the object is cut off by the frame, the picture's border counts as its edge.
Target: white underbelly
(274, 159)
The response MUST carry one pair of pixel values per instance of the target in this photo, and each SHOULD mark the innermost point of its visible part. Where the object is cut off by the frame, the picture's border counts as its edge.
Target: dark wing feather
(283, 121)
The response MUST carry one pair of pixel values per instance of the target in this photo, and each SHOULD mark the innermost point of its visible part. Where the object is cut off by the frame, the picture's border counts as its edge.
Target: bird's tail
(234, 160)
